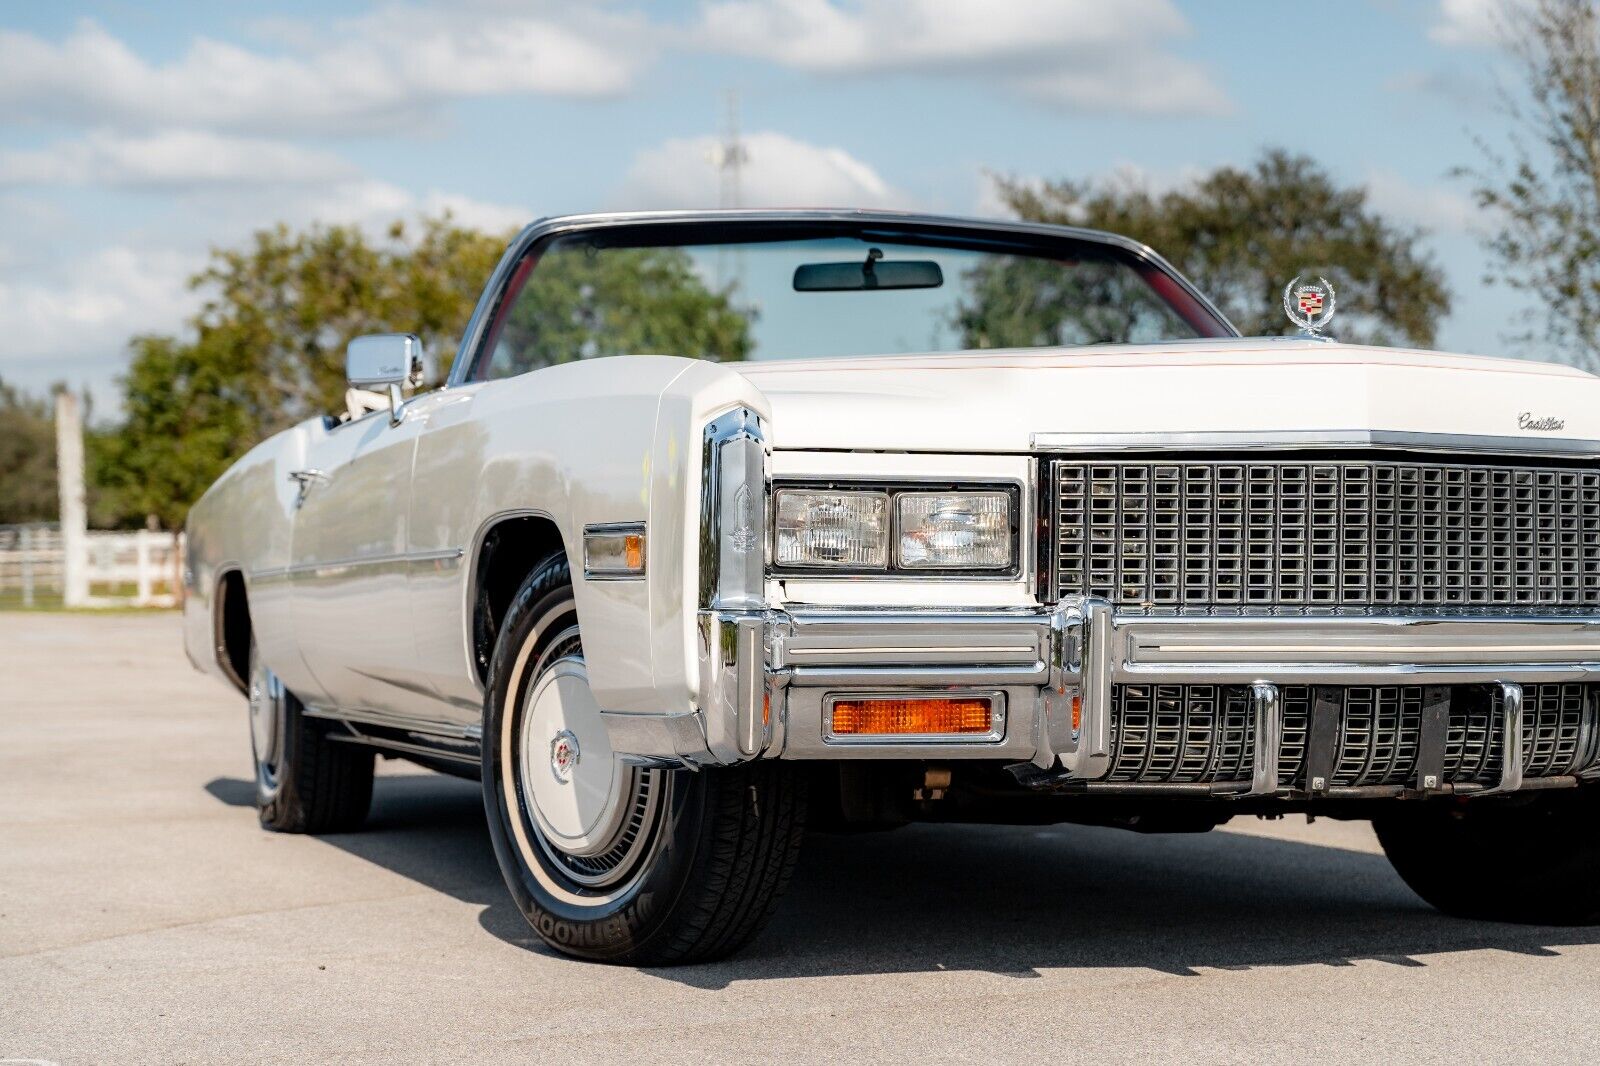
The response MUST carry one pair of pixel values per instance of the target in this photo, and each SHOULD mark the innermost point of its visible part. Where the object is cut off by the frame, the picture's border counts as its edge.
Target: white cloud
(780, 171)
(918, 34)
(1124, 177)
(84, 310)
(1466, 87)
(476, 214)
(1147, 84)
(989, 203)
(1435, 207)
(171, 159)
(373, 204)
(1081, 55)
(388, 67)
(1471, 23)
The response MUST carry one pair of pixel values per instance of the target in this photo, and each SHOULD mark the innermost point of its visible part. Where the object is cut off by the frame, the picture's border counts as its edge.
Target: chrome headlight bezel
(892, 490)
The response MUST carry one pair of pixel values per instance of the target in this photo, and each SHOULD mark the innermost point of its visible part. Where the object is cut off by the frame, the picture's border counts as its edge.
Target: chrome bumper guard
(1265, 653)
(766, 676)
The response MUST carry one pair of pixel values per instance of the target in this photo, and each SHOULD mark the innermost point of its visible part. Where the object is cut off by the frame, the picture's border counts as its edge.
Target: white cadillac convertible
(730, 524)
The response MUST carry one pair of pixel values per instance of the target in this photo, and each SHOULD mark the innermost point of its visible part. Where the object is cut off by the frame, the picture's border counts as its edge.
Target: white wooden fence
(138, 569)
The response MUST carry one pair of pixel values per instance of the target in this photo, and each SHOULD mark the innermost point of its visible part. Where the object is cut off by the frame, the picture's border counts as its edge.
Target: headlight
(892, 529)
(843, 530)
(953, 530)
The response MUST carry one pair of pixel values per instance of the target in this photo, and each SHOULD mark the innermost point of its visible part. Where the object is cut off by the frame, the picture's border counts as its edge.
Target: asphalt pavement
(144, 917)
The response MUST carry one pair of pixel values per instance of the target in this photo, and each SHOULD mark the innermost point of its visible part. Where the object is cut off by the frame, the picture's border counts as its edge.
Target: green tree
(583, 302)
(189, 413)
(286, 307)
(1030, 302)
(27, 458)
(1241, 234)
(1545, 198)
(266, 350)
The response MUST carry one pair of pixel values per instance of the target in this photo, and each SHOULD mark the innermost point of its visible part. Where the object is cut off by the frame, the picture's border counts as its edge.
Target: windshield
(763, 292)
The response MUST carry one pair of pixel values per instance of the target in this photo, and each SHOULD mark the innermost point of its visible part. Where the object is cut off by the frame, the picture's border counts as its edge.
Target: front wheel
(609, 861)
(1532, 859)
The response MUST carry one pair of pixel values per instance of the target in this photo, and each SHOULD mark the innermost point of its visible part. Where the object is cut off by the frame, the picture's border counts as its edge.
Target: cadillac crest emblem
(1309, 304)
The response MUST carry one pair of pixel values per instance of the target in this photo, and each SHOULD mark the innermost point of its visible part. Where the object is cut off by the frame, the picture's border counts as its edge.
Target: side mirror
(386, 361)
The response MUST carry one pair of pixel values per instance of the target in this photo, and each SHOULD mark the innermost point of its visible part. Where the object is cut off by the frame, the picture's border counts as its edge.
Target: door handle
(305, 479)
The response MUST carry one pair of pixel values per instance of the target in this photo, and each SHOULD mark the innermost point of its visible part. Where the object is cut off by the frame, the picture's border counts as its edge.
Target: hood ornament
(1309, 305)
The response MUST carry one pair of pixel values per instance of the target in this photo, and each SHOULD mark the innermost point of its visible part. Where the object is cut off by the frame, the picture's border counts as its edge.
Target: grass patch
(50, 600)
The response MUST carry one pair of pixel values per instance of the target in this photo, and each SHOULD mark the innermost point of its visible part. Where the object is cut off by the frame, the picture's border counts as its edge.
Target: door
(451, 456)
(348, 579)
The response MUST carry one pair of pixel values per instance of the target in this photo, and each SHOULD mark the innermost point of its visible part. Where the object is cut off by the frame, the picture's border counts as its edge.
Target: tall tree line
(27, 458)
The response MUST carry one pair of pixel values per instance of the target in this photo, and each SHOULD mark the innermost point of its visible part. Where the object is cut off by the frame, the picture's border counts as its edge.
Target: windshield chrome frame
(467, 350)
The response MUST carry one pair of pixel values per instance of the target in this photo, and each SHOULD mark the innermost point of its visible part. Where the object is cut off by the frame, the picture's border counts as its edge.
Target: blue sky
(135, 136)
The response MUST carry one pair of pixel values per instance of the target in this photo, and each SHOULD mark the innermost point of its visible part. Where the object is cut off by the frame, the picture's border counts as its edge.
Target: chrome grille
(1554, 730)
(1307, 537)
(1378, 745)
(1182, 733)
(1201, 734)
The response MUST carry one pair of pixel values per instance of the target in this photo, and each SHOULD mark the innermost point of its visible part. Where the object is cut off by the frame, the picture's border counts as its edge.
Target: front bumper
(766, 677)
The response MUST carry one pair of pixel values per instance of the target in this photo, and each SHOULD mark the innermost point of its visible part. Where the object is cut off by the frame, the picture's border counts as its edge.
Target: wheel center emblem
(563, 755)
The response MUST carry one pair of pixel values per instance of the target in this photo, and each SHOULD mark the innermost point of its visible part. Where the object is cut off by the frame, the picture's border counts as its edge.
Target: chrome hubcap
(268, 702)
(592, 814)
(576, 795)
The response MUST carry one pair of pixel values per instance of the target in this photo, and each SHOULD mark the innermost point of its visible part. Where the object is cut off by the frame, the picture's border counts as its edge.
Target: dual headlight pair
(881, 530)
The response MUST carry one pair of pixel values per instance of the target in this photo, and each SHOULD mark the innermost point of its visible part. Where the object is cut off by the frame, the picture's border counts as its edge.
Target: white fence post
(74, 513)
(25, 539)
(141, 568)
(175, 571)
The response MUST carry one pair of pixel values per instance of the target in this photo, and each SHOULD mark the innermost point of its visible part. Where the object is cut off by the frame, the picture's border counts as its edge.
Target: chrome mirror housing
(387, 361)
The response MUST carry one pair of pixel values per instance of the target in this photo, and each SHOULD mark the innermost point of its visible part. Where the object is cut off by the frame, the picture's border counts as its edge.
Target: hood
(1017, 400)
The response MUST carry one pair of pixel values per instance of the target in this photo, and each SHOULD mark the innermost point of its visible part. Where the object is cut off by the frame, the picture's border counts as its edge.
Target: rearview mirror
(875, 272)
(386, 361)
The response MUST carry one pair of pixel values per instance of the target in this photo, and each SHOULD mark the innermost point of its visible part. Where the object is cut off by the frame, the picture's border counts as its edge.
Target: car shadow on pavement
(430, 828)
(1002, 900)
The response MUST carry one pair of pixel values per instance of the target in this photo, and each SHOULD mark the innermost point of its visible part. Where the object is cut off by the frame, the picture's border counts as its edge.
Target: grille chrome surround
(1171, 536)
(1204, 734)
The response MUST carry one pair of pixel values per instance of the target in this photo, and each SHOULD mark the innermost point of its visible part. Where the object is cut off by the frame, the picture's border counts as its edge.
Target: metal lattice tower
(730, 156)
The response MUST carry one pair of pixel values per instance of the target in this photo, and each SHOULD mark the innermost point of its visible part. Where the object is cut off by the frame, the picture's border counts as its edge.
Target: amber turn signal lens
(892, 717)
(609, 552)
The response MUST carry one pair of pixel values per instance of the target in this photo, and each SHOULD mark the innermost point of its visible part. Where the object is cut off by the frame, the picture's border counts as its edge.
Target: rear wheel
(609, 861)
(306, 782)
(1534, 859)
